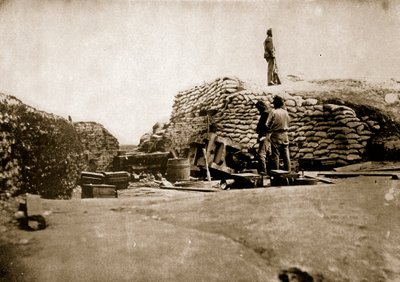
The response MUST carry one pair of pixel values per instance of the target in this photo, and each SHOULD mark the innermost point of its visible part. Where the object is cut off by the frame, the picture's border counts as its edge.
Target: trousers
(263, 151)
(271, 68)
(278, 151)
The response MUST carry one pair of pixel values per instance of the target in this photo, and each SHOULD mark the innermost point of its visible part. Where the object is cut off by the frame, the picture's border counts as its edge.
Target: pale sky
(120, 63)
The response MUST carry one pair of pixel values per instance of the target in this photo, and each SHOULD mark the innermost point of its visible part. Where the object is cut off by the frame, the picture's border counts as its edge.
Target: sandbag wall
(40, 152)
(328, 130)
(317, 130)
(183, 130)
(191, 109)
(99, 145)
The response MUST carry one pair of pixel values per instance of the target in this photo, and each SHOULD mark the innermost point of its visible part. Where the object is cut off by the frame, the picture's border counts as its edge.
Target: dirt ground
(348, 231)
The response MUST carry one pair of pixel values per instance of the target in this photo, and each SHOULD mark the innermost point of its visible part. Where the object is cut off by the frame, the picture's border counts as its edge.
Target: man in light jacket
(278, 124)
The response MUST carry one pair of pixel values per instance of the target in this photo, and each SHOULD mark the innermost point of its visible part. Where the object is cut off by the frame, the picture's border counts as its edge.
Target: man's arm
(270, 120)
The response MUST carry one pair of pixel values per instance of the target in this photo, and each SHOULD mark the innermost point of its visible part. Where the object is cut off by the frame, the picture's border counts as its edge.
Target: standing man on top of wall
(278, 124)
(263, 137)
(269, 56)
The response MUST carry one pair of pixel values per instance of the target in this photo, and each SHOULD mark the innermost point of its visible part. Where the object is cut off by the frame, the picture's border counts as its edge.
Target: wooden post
(208, 171)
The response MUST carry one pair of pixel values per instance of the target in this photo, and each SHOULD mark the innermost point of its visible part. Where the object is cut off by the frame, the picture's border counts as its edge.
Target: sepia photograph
(200, 140)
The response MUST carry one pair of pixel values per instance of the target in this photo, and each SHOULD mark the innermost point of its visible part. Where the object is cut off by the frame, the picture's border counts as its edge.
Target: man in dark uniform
(278, 124)
(269, 55)
(263, 138)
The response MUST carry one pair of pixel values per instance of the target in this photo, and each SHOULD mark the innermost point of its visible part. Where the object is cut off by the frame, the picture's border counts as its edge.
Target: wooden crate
(283, 177)
(91, 178)
(118, 178)
(247, 180)
(99, 191)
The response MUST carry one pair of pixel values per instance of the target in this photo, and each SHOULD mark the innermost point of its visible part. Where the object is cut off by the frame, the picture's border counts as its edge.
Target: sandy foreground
(348, 231)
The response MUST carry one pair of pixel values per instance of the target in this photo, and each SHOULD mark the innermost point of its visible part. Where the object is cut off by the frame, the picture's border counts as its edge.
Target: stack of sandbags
(191, 109)
(329, 130)
(205, 97)
(238, 120)
(316, 130)
(99, 145)
(156, 141)
(183, 131)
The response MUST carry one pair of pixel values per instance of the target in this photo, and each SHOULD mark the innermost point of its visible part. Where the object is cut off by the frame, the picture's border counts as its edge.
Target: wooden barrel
(178, 170)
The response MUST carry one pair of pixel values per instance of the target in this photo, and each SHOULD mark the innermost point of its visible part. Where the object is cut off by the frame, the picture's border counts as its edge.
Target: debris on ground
(166, 184)
(295, 274)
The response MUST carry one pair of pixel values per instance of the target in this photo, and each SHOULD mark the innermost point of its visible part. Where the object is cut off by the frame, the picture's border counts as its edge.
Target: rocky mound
(44, 154)
(41, 152)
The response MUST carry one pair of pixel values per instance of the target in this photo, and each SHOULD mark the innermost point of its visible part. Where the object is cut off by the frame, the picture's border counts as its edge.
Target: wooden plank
(280, 171)
(92, 174)
(211, 147)
(359, 173)
(322, 179)
(207, 169)
(204, 187)
(116, 174)
(390, 168)
(354, 167)
(246, 174)
(174, 153)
